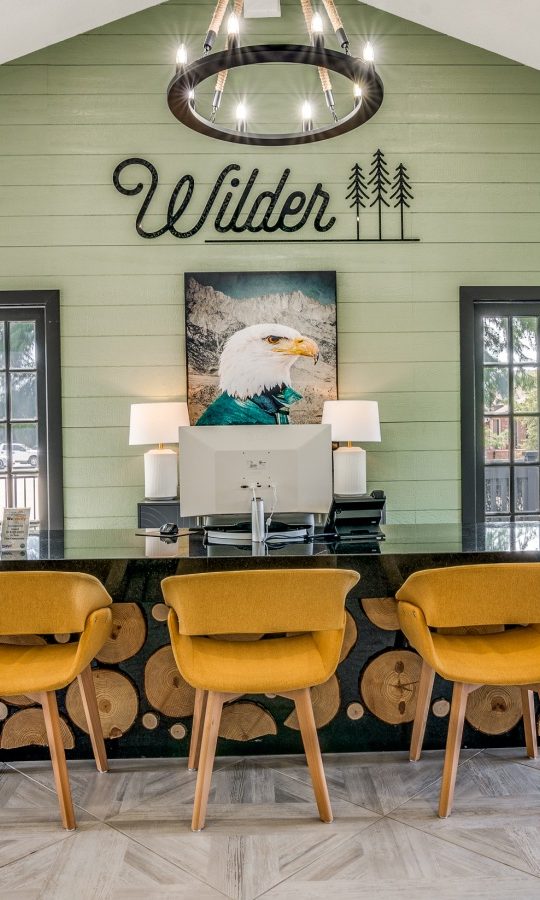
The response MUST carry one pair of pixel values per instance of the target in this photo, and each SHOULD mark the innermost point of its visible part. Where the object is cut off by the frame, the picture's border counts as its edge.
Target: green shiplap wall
(465, 122)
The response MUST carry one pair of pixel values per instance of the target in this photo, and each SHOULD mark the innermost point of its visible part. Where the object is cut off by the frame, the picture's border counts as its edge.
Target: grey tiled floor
(263, 838)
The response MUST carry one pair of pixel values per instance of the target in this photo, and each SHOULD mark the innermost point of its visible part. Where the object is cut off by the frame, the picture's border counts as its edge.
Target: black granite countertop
(399, 540)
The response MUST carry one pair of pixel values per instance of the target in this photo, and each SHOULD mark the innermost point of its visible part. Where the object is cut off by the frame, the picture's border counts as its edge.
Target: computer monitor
(288, 466)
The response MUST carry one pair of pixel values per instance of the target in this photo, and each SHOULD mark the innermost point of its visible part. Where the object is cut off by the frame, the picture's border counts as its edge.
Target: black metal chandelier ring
(186, 80)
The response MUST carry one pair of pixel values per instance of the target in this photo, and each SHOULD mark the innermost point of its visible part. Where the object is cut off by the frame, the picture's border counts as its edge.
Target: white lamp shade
(352, 420)
(157, 423)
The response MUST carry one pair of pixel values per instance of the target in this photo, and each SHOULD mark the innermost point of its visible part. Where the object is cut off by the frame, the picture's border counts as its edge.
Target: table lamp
(351, 420)
(158, 423)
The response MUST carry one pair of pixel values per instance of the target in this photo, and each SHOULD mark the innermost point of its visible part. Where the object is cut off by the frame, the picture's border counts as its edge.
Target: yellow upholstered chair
(468, 596)
(55, 603)
(277, 601)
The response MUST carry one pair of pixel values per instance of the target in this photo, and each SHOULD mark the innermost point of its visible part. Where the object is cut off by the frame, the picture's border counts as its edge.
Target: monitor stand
(237, 530)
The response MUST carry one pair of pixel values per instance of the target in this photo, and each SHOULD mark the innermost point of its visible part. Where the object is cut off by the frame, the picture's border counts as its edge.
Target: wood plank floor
(263, 837)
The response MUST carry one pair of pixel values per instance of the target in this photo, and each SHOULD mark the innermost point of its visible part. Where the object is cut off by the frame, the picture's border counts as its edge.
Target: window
(500, 410)
(30, 405)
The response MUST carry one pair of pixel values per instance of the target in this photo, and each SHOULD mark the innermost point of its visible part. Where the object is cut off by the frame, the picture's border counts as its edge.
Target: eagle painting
(255, 376)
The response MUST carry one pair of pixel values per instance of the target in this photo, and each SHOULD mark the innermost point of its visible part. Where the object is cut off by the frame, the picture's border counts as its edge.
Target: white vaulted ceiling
(508, 27)
(28, 25)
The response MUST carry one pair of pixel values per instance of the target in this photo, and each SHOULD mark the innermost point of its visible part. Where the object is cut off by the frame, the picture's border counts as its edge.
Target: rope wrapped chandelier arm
(368, 89)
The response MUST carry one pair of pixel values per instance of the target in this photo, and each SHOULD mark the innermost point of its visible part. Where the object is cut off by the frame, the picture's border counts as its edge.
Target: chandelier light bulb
(181, 56)
(241, 116)
(317, 24)
(357, 93)
(191, 96)
(233, 25)
(307, 116)
(368, 53)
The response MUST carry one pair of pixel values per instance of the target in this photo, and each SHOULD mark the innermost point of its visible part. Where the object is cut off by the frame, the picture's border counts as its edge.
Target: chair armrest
(97, 630)
(415, 629)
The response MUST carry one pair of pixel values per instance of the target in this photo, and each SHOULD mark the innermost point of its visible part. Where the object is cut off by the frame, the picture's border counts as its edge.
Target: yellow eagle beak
(300, 346)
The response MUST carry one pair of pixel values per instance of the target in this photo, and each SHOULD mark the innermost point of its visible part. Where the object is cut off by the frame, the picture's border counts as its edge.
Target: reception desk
(369, 704)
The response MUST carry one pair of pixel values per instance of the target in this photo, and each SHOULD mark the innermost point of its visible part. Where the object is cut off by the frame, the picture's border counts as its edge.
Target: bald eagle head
(260, 357)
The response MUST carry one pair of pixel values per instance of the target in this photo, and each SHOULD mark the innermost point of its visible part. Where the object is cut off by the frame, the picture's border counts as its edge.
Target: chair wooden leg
(310, 738)
(214, 705)
(529, 722)
(58, 758)
(425, 688)
(91, 711)
(197, 728)
(453, 746)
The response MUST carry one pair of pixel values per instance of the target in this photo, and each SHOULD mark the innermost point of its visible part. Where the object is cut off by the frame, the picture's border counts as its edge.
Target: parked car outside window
(21, 455)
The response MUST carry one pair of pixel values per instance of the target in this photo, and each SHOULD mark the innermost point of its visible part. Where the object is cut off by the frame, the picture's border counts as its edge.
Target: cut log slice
(350, 638)
(165, 688)
(178, 731)
(20, 700)
(382, 611)
(440, 708)
(160, 612)
(4, 712)
(27, 726)
(355, 711)
(245, 721)
(326, 699)
(389, 685)
(494, 709)
(117, 701)
(128, 633)
(150, 721)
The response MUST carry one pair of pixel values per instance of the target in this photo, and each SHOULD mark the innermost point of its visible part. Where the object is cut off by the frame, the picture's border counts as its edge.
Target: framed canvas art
(261, 347)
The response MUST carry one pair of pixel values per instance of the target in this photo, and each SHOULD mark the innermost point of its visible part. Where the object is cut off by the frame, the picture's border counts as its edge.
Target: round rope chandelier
(367, 88)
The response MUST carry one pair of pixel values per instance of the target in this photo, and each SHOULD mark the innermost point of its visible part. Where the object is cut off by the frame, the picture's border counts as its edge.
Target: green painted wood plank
(96, 502)
(29, 79)
(146, 350)
(400, 347)
(122, 380)
(147, 258)
(403, 316)
(87, 522)
(88, 472)
(376, 377)
(103, 412)
(435, 169)
(159, 49)
(417, 466)
(152, 319)
(365, 287)
(150, 108)
(402, 436)
(395, 139)
(107, 442)
(398, 79)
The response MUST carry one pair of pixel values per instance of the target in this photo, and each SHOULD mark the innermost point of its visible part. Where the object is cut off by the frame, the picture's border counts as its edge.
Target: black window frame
(45, 305)
(473, 301)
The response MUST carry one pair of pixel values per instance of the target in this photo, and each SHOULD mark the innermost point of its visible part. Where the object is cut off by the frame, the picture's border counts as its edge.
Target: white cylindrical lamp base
(160, 474)
(350, 471)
